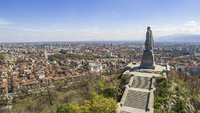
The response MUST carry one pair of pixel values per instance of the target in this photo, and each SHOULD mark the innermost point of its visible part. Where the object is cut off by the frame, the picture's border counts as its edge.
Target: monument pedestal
(147, 60)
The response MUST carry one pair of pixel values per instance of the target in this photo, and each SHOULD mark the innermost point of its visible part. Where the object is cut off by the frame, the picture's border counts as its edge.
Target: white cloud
(191, 27)
(31, 33)
(192, 24)
(138, 33)
(111, 34)
(4, 22)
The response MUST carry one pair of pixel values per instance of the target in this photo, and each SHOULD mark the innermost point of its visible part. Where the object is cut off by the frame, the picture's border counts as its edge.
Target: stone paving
(136, 99)
(138, 95)
(141, 82)
(124, 112)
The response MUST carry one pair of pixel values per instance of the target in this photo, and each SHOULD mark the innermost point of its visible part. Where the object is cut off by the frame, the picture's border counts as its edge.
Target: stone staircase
(141, 82)
(137, 95)
(136, 99)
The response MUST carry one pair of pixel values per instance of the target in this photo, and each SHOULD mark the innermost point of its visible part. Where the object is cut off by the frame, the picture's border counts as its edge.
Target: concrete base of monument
(147, 60)
(147, 67)
(136, 67)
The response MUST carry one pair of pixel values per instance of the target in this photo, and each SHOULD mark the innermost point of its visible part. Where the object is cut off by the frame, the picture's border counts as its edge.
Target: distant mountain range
(179, 38)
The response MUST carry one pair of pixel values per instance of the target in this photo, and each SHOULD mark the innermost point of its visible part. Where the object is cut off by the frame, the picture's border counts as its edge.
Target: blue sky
(71, 20)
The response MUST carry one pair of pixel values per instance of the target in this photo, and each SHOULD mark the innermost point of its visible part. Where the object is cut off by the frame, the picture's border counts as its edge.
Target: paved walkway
(138, 95)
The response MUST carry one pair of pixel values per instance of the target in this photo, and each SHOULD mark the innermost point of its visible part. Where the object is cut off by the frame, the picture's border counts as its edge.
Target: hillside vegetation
(178, 93)
(99, 96)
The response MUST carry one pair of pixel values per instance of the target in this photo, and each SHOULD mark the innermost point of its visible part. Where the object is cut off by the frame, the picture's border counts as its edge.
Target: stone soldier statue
(149, 43)
(148, 56)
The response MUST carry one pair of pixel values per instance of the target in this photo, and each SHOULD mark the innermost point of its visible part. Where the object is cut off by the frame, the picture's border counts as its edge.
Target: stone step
(136, 99)
(141, 82)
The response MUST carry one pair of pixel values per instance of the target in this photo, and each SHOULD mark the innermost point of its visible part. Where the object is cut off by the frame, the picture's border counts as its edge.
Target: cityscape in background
(99, 56)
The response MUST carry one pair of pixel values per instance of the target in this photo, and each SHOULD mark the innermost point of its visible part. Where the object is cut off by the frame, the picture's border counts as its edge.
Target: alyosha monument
(138, 96)
(148, 56)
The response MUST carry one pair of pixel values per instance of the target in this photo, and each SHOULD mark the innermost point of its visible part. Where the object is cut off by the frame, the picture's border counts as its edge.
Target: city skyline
(95, 20)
